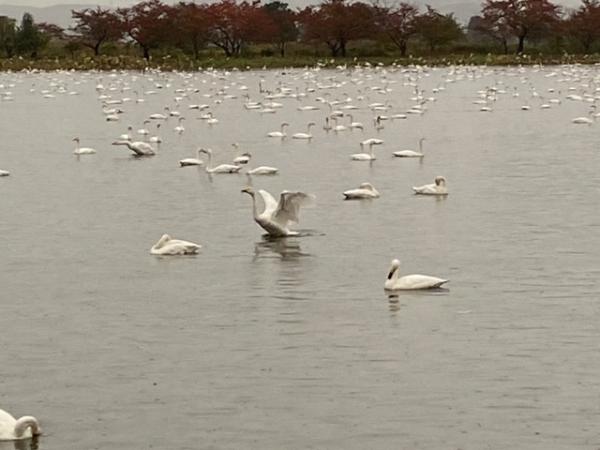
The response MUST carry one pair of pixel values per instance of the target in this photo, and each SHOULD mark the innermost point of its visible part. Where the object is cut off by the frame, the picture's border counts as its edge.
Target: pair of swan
(438, 187)
(82, 150)
(365, 190)
(411, 153)
(168, 246)
(395, 282)
(12, 429)
(277, 216)
(139, 148)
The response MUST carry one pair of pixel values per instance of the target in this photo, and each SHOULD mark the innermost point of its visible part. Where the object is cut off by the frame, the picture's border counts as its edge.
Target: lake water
(293, 343)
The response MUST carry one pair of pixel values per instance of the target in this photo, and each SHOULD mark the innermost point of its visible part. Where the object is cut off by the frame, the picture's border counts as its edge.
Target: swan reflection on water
(284, 248)
(25, 444)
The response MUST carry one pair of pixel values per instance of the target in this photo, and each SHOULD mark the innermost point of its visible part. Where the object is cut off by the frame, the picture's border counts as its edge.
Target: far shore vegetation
(229, 34)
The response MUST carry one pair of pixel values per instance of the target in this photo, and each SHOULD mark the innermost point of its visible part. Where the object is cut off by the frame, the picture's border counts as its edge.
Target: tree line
(333, 25)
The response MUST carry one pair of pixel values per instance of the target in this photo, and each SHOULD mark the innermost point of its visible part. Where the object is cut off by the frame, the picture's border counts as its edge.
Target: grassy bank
(169, 63)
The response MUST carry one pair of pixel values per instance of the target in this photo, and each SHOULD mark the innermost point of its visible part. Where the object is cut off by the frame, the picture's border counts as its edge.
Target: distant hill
(57, 14)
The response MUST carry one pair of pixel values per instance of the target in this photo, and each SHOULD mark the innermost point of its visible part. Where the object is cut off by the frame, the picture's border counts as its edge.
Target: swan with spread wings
(277, 216)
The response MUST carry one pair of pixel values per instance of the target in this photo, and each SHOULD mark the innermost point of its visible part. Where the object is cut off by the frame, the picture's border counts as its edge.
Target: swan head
(26, 422)
(395, 266)
(76, 139)
(162, 241)
(208, 151)
(440, 181)
(248, 154)
(311, 124)
(285, 124)
(248, 190)
(368, 186)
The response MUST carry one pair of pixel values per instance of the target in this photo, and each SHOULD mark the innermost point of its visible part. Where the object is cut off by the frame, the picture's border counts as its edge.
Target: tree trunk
(505, 46)
(521, 45)
(97, 48)
(146, 51)
(403, 47)
(282, 49)
(343, 47)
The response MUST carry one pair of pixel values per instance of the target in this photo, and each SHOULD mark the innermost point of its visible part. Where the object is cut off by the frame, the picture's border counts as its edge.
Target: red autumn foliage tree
(437, 29)
(192, 24)
(398, 23)
(523, 18)
(233, 25)
(94, 27)
(147, 23)
(337, 22)
(284, 21)
(583, 24)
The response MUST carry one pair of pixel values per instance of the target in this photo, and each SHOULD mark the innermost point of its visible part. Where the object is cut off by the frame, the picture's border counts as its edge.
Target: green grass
(181, 62)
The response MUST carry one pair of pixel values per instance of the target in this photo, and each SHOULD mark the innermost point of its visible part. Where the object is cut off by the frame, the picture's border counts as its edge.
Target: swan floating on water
(12, 429)
(277, 216)
(365, 190)
(82, 150)
(138, 147)
(410, 282)
(168, 246)
(4, 173)
(192, 161)
(263, 170)
(279, 134)
(437, 188)
(364, 156)
(222, 168)
(306, 135)
(411, 153)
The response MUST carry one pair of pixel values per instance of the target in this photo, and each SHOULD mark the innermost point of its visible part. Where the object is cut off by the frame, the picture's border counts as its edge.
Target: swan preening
(395, 282)
(168, 246)
(82, 150)
(365, 190)
(139, 148)
(192, 161)
(222, 168)
(277, 216)
(438, 187)
(411, 153)
(12, 429)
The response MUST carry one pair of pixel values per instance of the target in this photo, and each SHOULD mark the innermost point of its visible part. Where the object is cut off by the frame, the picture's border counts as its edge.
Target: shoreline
(170, 63)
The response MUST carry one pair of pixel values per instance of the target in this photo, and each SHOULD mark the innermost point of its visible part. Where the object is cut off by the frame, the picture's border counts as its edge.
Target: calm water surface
(285, 344)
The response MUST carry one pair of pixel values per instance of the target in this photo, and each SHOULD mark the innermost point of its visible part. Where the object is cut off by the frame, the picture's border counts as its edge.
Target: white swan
(364, 156)
(156, 139)
(306, 135)
(12, 429)
(223, 168)
(279, 134)
(192, 161)
(82, 150)
(354, 124)
(263, 170)
(137, 147)
(244, 158)
(179, 128)
(373, 141)
(437, 188)
(583, 120)
(410, 282)
(411, 153)
(168, 246)
(4, 173)
(276, 217)
(365, 190)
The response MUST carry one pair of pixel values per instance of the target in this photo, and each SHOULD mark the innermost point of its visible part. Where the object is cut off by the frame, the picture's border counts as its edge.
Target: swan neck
(27, 422)
(254, 206)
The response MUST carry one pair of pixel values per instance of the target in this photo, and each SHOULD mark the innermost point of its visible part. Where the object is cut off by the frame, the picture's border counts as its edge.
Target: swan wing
(419, 282)
(289, 206)
(270, 202)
